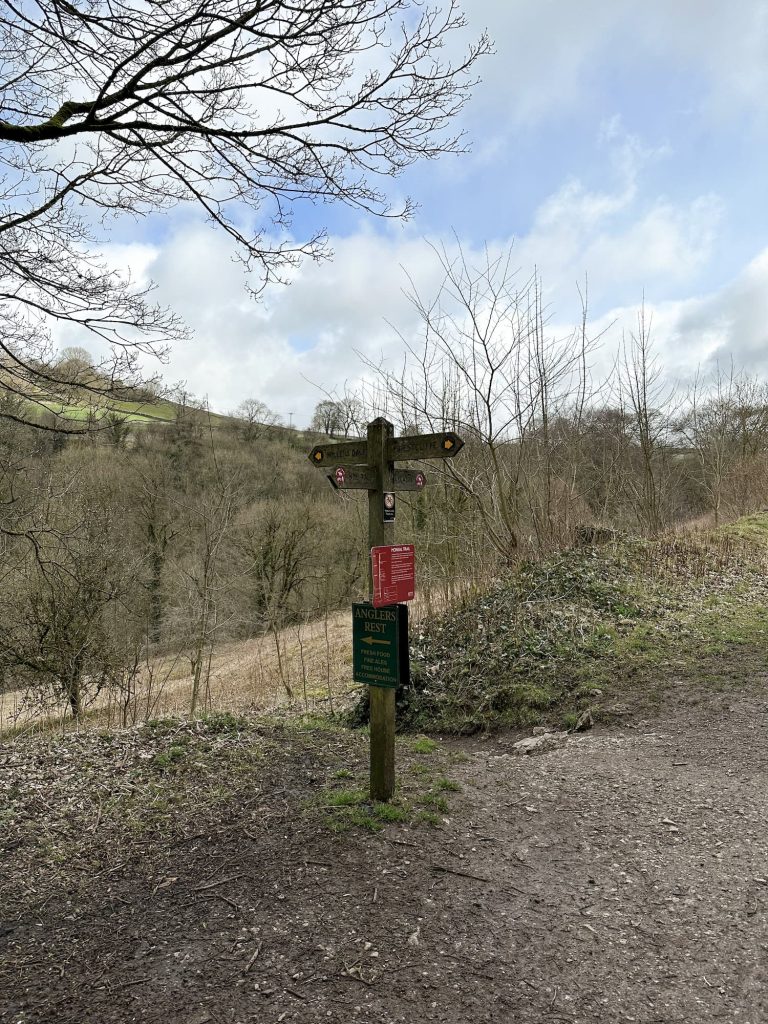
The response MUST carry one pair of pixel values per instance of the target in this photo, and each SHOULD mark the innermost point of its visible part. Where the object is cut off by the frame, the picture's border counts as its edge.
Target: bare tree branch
(114, 108)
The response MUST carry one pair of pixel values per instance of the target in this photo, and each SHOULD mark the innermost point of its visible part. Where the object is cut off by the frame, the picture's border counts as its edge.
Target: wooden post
(369, 464)
(382, 699)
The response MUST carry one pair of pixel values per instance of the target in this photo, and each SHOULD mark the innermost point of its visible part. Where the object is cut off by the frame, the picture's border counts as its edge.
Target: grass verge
(421, 797)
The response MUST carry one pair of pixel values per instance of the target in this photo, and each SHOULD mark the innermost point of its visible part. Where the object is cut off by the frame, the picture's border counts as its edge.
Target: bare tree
(245, 108)
(325, 418)
(749, 478)
(604, 475)
(488, 366)
(67, 596)
(277, 548)
(339, 417)
(726, 426)
(650, 401)
(708, 427)
(202, 579)
(256, 419)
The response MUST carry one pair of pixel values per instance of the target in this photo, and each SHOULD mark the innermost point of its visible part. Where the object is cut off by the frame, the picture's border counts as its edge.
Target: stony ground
(223, 874)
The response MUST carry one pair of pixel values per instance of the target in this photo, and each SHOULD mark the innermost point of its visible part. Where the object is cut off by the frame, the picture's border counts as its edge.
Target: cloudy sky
(623, 142)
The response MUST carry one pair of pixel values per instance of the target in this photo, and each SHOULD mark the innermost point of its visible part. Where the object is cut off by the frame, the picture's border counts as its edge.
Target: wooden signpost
(380, 641)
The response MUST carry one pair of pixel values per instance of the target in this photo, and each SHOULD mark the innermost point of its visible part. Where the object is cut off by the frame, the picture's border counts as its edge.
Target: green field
(161, 411)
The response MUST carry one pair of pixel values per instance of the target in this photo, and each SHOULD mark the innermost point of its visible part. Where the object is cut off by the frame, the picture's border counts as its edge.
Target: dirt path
(623, 878)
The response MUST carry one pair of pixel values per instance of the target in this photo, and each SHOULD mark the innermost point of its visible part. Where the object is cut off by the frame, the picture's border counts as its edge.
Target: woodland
(152, 536)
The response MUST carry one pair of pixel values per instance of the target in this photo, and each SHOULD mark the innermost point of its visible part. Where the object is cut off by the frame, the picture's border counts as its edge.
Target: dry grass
(313, 672)
(314, 668)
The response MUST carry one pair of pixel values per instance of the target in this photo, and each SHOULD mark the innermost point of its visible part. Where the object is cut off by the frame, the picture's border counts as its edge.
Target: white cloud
(242, 349)
(732, 323)
(302, 340)
(698, 333)
(549, 51)
(550, 56)
(621, 238)
(666, 242)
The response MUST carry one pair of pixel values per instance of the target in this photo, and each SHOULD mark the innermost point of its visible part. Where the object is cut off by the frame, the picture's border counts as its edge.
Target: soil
(621, 878)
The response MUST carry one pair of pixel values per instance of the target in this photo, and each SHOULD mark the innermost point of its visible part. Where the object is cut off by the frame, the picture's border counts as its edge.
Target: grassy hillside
(160, 411)
(606, 629)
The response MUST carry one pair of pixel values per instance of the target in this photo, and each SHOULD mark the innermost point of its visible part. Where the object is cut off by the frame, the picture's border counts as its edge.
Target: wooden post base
(382, 742)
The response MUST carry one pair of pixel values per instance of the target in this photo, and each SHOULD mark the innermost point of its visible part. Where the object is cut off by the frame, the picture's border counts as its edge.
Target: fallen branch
(220, 881)
(461, 874)
(478, 878)
(220, 896)
(253, 959)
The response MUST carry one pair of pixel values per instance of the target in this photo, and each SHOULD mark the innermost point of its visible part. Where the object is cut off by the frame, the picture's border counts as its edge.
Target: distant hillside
(145, 410)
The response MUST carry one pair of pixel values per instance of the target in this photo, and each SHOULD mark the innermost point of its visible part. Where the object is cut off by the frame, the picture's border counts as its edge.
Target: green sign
(380, 645)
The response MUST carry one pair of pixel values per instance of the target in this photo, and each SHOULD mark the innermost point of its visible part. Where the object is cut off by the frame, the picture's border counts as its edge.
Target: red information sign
(394, 574)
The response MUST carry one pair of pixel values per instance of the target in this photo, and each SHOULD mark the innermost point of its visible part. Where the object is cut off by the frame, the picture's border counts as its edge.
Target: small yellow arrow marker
(372, 640)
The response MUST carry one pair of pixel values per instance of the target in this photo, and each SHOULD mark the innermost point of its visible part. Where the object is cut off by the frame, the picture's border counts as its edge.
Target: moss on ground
(421, 797)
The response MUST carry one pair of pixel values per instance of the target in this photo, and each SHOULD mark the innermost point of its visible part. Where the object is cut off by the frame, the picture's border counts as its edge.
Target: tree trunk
(74, 693)
(156, 596)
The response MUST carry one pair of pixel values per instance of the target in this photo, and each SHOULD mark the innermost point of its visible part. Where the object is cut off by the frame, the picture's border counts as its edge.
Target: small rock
(540, 730)
(585, 721)
(541, 744)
